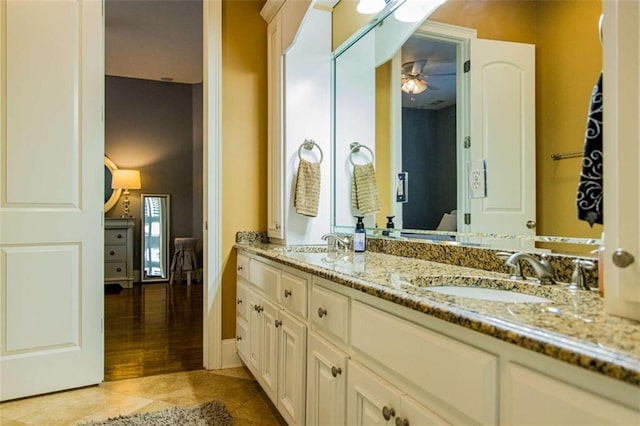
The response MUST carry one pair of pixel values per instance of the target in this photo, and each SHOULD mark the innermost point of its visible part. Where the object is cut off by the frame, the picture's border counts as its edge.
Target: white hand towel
(307, 191)
(364, 189)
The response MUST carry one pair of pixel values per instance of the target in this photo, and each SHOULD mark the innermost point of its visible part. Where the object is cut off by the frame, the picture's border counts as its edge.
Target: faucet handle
(578, 277)
(515, 270)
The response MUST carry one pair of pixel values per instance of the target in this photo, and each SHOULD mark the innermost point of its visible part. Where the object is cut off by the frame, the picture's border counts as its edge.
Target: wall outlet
(477, 179)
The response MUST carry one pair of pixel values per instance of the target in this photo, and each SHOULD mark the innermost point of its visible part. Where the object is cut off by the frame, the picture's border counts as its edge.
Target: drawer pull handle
(322, 312)
(287, 292)
(119, 269)
(258, 308)
(240, 268)
(239, 302)
(119, 236)
(278, 323)
(401, 422)
(387, 412)
(112, 252)
(335, 371)
(238, 338)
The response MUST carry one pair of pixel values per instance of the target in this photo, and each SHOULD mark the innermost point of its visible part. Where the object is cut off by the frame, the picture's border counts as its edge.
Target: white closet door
(503, 135)
(51, 197)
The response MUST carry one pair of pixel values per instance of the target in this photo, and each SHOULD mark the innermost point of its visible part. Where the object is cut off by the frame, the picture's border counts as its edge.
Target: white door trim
(212, 183)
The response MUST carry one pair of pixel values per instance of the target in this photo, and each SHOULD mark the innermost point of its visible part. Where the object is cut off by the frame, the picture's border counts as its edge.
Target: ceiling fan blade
(418, 66)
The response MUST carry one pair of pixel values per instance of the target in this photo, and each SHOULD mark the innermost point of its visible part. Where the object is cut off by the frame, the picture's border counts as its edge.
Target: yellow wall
(568, 61)
(346, 21)
(244, 136)
(383, 142)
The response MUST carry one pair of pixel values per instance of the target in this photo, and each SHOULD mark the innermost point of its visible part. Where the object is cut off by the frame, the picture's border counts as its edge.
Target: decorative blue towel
(590, 191)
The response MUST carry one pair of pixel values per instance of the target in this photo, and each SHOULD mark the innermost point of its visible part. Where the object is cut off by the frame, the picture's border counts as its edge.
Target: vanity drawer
(293, 293)
(243, 266)
(265, 277)
(242, 300)
(115, 237)
(115, 270)
(443, 367)
(330, 313)
(114, 253)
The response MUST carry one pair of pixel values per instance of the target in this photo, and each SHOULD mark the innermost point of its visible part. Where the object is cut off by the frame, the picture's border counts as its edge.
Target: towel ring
(308, 144)
(355, 148)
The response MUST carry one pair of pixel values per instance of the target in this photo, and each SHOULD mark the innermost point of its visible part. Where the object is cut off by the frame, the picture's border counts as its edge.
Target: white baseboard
(230, 358)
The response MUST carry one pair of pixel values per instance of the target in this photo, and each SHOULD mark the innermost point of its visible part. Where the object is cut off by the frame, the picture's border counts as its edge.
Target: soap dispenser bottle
(359, 236)
(390, 226)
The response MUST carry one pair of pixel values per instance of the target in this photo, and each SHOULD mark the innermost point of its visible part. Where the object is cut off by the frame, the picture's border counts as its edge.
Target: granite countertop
(573, 327)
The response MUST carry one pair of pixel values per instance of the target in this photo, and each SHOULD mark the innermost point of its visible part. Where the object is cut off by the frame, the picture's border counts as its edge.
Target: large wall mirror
(155, 214)
(476, 144)
(111, 196)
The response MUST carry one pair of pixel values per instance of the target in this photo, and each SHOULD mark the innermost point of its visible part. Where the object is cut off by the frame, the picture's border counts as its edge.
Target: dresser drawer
(293, 293)
(114, 253)
(330, 312)
(115, 270)
(443, 367)
(265, 277)
(115, 237)
(243, 266)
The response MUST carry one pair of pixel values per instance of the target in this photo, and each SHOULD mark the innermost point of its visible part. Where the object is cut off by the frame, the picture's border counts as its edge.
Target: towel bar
(355, 148)
(308, 144)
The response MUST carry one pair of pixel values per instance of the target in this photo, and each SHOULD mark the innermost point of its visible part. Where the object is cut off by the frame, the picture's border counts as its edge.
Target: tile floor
(239, 391)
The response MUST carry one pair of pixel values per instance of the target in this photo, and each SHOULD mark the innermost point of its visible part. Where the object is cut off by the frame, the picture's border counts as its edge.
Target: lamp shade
(125, 179)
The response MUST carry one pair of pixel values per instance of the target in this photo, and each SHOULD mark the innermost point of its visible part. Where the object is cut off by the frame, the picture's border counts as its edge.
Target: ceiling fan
(414, 79)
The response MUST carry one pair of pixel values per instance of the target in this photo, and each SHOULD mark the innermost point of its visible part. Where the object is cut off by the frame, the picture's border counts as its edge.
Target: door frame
(212, 183)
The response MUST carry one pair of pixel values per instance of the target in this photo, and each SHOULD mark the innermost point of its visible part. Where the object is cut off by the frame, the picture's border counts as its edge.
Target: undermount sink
(492, 294)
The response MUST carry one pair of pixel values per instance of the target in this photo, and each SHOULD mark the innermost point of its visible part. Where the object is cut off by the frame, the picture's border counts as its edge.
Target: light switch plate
(477, 179)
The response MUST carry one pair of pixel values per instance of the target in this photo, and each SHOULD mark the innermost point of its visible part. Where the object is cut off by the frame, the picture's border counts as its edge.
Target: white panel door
(370, 400)
(51, 203)
(326, 383)
(503, 135)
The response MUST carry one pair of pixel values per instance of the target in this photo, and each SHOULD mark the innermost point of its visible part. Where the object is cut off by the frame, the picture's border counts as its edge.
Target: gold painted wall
(565, 75)
(383, 142)
(244, 137)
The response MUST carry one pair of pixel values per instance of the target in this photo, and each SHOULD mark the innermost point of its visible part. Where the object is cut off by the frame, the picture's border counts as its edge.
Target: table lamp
(125, 179)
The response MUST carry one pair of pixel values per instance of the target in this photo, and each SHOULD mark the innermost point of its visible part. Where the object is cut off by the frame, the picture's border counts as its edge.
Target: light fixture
(416, 10)
(413, 86)
(125, 179)
(367, 7)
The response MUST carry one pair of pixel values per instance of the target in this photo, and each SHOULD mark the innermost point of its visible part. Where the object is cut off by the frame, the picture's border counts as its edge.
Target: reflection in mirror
(371, 108)
(111, 195)
(156, 209)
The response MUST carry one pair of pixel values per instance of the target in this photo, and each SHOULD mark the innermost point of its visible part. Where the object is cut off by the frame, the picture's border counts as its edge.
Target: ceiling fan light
(413, 86)
(416, 10)
(368, 7)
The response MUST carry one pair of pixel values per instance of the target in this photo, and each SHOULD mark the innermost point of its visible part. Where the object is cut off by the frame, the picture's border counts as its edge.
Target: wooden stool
(184, 259)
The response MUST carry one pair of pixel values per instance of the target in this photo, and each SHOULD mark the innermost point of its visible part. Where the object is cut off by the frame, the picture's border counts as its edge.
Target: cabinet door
(254, 333)
(242, 338)
(268, 350)
(414, 413)
(292, 345)
(242, 299)
(370, 400)
(274, 124)
(531, 398)
(326, 383)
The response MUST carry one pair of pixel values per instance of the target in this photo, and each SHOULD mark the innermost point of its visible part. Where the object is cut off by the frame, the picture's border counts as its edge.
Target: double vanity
(335, 337)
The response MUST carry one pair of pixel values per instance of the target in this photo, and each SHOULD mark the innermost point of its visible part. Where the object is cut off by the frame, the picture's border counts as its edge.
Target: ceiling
(154, 39)
(441, 59)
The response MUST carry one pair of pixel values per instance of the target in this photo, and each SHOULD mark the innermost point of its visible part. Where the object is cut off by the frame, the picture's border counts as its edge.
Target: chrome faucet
(542, 267)
(336, 242)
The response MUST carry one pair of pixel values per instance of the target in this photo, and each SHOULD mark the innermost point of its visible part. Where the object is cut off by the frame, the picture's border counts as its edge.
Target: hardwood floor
(152, 329)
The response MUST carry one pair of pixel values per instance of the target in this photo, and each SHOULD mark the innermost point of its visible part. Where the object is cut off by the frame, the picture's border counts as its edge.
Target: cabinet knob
(112, 252)
(119, 236)
(322, 312)
(239, 302)
(255, 308)
(531, 224)
(119, 269)
(335, 371)
(622, 258)
(238, 338)
(287, 292)
(401, 422)
(278, 323)
(240, 268)
(387, 412)
(259, 309)
(277, 226)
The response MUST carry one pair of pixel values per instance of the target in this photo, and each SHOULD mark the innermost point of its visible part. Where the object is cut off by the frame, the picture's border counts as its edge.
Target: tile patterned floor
(236, 388)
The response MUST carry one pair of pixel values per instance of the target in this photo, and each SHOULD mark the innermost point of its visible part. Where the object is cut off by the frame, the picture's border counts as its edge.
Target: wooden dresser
(118, 251)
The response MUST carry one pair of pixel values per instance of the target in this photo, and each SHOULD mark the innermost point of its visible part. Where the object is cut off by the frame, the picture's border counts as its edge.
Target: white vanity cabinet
(533, 398)
(271, 340)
